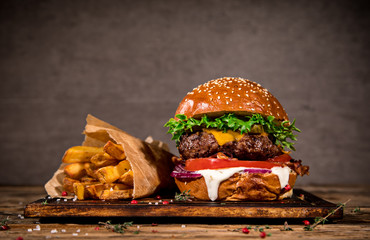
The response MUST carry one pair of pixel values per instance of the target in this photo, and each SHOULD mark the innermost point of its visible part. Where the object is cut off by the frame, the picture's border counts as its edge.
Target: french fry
(116, 194)
(87, 179)
(95, 190)
(80, 191)
(90, 170)
(115, 150)
(75, 170)
(123, 167)
(68, 184)
(80, 154)
(103, 159)
(127, 178)
(110, 174)
(118, 186)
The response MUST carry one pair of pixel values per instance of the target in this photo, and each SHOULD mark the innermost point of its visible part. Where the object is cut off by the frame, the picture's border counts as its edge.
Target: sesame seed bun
(228, 94)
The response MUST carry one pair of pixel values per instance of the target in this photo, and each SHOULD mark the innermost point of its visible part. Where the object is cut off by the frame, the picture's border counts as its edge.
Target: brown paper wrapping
(150, 160)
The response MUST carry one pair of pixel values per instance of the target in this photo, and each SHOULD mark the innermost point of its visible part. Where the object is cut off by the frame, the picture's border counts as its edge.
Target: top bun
(231, 95)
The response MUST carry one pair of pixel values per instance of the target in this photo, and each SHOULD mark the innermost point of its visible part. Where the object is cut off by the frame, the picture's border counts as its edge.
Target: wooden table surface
(354, 225)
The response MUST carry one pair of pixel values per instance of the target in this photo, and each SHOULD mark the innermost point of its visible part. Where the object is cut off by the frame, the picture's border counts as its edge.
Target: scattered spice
(134, 202)
(356, 210)
(19, 238)
(287, 187)
(245, 230)
(4, 224)
(44, 202)
(259, 229)
(165, 202)
(235, 230)
(154, 224)
(306, 222)
(96, 229)
(64, 193)
(158, 197)
(184, 196)
(322, 220)
(119, 228)
(286, 227)
(154, 231)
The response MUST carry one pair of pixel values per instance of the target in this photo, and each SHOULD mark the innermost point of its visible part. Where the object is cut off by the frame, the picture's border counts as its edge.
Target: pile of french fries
(98, 173)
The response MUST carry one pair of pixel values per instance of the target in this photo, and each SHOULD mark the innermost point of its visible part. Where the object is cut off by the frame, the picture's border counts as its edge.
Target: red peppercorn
(96, 229)
(64, 193)
(19, 238)
(154, 224)
(133, 202)
(4, 227)
(287, 187)
(158, 197)
(306, 222)
(154, 231)
(262, 235)
(245, 230)
(165, 202)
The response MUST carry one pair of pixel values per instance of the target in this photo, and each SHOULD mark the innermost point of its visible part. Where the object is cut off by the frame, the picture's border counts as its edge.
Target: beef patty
(250, 147)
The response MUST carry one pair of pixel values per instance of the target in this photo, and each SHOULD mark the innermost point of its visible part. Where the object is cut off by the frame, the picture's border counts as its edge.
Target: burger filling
(244, 137)
(247, 146)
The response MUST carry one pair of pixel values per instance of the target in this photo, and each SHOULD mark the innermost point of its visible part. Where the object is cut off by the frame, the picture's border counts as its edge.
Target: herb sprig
(184, 196)
(322, 220)
(119, 228)
(4, 224)
(281, 131)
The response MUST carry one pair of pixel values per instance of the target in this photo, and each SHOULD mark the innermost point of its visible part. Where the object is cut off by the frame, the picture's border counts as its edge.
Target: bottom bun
(241, 187)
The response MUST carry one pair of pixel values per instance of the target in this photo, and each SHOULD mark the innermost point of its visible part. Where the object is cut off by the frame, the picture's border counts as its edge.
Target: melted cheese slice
(224, 137)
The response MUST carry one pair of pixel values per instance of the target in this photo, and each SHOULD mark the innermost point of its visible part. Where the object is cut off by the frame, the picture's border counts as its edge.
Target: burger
(233, 139)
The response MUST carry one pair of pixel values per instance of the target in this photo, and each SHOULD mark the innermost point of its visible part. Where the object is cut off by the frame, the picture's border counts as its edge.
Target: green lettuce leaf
(281, 131)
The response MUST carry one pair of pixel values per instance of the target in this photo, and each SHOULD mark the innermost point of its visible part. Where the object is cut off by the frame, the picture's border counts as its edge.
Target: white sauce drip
(213, 178)
(283, 174)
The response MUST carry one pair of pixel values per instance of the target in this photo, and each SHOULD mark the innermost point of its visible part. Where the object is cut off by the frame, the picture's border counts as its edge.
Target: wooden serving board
(310, 206)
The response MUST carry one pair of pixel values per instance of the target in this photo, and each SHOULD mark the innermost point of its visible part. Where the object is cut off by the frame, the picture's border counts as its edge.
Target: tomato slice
(196, 164)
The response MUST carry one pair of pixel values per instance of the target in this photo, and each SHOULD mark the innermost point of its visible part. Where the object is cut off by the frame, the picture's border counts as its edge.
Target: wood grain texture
(309, 207)
(354, 225)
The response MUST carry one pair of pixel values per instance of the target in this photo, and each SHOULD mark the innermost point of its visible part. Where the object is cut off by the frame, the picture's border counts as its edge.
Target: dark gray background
(131, 62)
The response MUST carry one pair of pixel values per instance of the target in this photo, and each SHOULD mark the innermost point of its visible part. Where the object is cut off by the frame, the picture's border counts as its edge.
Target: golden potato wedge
(78, 154)
(75, 170)
(127, 178)
(90, 170)
(95, 190)
(79, 190)
(123, 166)
(116, 194)
(68, 184)
(88, 180)
(107, 174)
(115, 150)
(103, 159)
(118, 186)
(110, 174)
